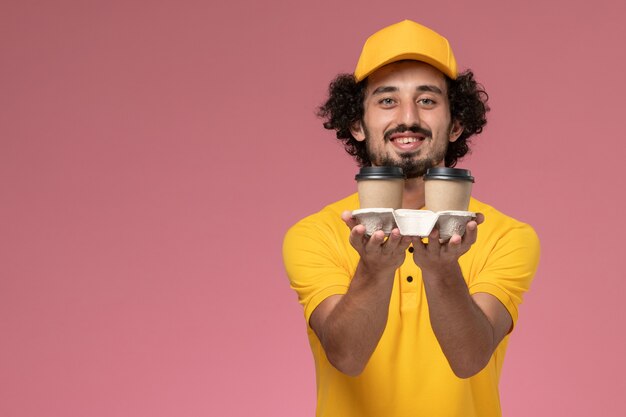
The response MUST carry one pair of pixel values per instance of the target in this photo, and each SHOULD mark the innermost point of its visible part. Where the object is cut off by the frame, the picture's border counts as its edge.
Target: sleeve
(508, 268)
(315, 265)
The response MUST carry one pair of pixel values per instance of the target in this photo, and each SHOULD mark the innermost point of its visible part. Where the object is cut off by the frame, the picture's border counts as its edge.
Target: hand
(377, 253)
(436, 255)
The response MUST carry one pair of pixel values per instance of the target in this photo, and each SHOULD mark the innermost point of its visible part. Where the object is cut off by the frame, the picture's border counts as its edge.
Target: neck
(413, 196)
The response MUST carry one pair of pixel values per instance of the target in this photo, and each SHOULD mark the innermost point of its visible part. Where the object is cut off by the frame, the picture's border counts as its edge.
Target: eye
(427, 102)
(387, 101)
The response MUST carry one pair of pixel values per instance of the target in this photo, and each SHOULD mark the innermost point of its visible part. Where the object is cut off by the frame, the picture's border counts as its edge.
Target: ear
(357, 131)
(455, 130)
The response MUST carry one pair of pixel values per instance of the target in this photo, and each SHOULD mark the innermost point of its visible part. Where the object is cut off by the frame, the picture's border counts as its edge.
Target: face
(406, 118)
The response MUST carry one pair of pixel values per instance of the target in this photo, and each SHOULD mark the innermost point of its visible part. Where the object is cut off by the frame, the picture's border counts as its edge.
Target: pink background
(153, 154)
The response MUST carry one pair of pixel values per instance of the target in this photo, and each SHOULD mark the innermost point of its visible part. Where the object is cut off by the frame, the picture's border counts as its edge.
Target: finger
(480, 218)
(455, 241)
(471, 232)
(357, 237)
(375, 241)
(434, 246)
(394, 238)
(391, 243)
(405, 242)
(396, 242)
(346, 216)
(468, 239)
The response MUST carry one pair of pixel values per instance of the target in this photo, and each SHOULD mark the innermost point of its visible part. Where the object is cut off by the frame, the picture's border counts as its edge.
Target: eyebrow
(430, 88)
(384, 89)
(390, 89)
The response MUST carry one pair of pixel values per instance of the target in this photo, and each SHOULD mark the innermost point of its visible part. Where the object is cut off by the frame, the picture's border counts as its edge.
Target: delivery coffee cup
(448, 189)
(380, 187)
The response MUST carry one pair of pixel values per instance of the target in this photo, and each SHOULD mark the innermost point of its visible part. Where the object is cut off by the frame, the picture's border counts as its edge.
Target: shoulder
(322, 234)
(327, 221)
(499, 223)
(503, 233)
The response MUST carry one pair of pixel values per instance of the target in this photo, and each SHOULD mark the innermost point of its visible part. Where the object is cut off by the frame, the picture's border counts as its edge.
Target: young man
(399, 327)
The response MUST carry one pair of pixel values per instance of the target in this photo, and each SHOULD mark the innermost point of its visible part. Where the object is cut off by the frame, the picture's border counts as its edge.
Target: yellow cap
(405, 40)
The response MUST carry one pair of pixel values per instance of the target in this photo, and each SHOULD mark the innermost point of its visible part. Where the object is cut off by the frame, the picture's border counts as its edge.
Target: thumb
(350, 221)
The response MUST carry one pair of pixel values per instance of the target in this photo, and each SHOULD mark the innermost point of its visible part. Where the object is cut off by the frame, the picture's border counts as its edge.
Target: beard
(412, 168)
(413, 164)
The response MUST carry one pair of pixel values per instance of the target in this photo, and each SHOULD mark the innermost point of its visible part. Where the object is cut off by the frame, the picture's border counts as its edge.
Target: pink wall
(153, 153)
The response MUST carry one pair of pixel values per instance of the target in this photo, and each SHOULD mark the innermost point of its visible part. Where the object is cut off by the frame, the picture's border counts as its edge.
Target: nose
(410, 113)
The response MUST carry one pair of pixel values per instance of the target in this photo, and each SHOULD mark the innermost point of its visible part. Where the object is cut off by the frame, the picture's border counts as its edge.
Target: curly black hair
(344, 107)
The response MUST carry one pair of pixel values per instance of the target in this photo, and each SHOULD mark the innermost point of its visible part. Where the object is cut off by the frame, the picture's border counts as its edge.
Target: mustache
(404, 128)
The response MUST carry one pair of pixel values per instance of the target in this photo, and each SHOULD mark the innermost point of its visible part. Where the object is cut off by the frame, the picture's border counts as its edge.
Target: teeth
(406, 140)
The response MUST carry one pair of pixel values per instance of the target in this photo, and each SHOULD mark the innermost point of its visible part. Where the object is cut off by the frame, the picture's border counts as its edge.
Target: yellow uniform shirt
(408, 374)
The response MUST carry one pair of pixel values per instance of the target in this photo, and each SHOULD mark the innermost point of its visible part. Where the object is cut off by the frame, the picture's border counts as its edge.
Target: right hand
(377, 253)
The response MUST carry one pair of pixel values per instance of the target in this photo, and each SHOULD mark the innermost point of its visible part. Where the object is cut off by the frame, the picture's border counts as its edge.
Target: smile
(405, 144)
(406, 140)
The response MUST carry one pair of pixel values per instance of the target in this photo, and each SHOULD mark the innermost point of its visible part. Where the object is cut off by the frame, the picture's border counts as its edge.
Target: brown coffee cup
(380, 187)
(448, 189)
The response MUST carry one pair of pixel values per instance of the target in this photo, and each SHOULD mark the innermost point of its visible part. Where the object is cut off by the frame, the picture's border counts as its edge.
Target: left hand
(435, 254)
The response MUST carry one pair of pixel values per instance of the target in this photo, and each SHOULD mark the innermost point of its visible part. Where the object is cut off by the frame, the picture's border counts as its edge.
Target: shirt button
(411, 249)
(409, 278)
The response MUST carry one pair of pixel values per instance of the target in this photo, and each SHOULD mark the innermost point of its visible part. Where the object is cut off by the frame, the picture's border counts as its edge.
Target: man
(397, 326)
